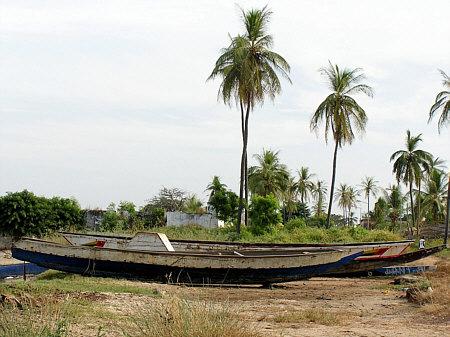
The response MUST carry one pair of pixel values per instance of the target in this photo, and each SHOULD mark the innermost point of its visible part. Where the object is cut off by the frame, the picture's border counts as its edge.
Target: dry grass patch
(182, 318)
(314, 315)
(22, 317)
(436, 302)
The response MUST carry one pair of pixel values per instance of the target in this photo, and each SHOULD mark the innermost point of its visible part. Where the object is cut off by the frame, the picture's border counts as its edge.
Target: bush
(23, 213)
(152, 216)
(317, 221)
(264, 214)
(295, 223)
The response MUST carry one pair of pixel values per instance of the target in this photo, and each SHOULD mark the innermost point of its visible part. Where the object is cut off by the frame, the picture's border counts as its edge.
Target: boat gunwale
(169, 253)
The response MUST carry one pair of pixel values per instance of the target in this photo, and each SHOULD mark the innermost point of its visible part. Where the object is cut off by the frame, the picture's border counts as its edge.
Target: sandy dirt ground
(366, 307)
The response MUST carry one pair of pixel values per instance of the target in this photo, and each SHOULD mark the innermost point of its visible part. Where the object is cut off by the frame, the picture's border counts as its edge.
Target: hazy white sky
(107, 100)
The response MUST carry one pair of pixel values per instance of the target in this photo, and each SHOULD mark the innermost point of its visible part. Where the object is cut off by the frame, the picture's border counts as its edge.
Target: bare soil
(365, 307)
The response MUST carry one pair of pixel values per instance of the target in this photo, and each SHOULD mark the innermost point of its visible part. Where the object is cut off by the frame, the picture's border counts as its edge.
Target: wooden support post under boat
(448, 213)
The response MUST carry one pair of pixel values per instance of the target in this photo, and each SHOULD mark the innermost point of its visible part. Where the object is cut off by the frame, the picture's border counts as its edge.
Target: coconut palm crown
(442, 102)
(341, 114)
(269, 176)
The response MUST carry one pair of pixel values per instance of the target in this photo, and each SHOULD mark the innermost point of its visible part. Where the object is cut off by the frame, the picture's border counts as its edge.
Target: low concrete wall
(5, 242)
(207, 220)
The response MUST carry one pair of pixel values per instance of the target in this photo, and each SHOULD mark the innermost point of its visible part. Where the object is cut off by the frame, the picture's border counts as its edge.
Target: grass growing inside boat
(314, 315)
(181, 318)
(293, 234)
(59, 282)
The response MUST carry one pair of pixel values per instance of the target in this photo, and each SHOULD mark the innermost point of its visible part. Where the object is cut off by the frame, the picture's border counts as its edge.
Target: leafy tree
(302, 211)
(224, 202)
(380, 211)
(152, 216)
(305, 184)
(408, 166)
(369, 187)
(340, 112)
(169, 199)
(264, 212)
(395, 200)
(112, 221)
(269, 176)
(249, 71)
(319, 192)
(442, 102)
(23, 213)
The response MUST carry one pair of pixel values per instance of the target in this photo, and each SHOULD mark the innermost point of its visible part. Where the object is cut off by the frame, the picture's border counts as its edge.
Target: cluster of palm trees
(249, 70)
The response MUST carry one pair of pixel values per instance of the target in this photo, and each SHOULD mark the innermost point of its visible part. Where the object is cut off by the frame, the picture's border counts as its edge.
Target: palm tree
(193, 205)
(249, 71)
(395, 200)
(347, 198)
(214, 186)
(270, 176)
(442, 101)
(289, 196)
(369, 187)
(340, 112)
(319, 192)
(341, 196)
(304, 184)
(435, 195)
(408, 166)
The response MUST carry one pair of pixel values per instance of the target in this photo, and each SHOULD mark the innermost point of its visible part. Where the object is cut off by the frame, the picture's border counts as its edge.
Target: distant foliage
(295, 223)
(25, 214)
(122, 217)
(223, 201)
(152, 216)
(264, 213)
(170, 199)
(318, 221)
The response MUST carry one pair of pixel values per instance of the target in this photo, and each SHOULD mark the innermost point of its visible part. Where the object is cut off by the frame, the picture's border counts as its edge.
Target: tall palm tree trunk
(419, 216)
(448, 213)
(246, 189)
(412, 209)
(244, 174)
(368, 210)
(333, 177)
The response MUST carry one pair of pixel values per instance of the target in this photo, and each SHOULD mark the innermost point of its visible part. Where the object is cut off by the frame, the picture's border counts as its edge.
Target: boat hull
(178, 267)
(365, 267)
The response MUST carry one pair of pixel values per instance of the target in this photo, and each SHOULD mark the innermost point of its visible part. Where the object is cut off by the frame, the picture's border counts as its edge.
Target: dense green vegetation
(23, 213)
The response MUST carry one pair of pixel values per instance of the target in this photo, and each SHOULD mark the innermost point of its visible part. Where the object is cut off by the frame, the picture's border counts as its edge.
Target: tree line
(249, 71)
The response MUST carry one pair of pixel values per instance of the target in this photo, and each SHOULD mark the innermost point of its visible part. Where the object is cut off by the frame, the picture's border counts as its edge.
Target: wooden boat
(363, 267)
(146, 241)
(18, 269)
(253, 267)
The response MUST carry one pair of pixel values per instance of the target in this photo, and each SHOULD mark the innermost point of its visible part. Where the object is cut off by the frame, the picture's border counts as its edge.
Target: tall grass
(301, 234)
(29, 319)
(182, 318)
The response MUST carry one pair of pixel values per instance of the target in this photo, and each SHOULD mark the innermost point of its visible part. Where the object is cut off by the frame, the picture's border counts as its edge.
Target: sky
(108, 100)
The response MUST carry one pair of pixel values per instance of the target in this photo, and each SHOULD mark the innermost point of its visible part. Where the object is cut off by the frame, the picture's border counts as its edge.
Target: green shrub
(295, 223)
(152, 216)
(23, 213)
(264, 214)
(317, 221)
